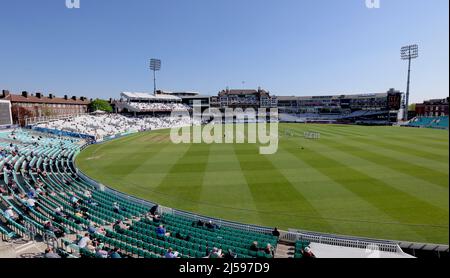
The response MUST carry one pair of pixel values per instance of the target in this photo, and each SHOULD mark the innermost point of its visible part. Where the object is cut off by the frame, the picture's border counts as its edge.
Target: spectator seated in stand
(100, 253)
(307, 253)
(91, 228)
(230, 254)
(254, 246)
(199, 223)
(117, 208)
(31, 194)
(212, 226)
(119, 226)
(59, 212)
(161, 232)
(10, 214)
(48, 226)
(3, 190)
(87, 194)
(216, 253)
(114, 254)
(156, 218)
(269, 250)
(74, 200)
(49, 254)
(31, 203)
(170, 254)
(86, 242)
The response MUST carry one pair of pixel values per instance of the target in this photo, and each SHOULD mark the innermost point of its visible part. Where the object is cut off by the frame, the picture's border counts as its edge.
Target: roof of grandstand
(147, 96)
(179, 94)
(243, 92)
(334, 96)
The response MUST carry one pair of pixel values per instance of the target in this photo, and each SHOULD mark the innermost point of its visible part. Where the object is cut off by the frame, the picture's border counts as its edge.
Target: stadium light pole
(155, 65)
(408, 52)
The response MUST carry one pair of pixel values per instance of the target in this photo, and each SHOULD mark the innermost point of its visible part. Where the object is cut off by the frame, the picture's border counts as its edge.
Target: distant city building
(38, 105)
(433, 107)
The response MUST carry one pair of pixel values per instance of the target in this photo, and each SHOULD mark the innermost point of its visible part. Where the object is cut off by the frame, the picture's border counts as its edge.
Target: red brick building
(433, 107)
(37, 105)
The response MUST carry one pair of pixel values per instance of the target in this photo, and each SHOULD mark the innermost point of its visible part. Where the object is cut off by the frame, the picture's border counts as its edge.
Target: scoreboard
(5, 113)
(394, 101)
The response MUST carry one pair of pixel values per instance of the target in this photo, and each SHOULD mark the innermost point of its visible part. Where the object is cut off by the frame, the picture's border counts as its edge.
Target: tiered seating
(430, 122)
(157, 106)
(28, 159)
(440, 122)
(299, 246)
(7, 233)
(224, 238)
(101, 126)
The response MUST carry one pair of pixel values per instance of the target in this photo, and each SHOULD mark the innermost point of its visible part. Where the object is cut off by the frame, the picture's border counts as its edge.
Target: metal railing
(345, 241)
(50, 240)
(31, 229)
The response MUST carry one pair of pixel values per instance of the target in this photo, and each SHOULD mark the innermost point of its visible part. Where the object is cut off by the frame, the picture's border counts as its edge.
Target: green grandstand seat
(199, 254)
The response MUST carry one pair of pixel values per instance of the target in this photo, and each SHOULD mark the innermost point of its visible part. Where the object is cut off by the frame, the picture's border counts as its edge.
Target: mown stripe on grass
(336, 130)
(343, 130)
(224, 181)
(385, 158)
(396, 203)
(347, 215)
(106, 162)
(431, 142)
(184, 180)
(435, 195)
(145, 171)
(262, 177)
(437, 155)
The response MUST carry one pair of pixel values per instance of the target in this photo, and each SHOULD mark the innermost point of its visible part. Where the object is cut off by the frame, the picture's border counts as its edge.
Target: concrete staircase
(284, 250)
(22, 249)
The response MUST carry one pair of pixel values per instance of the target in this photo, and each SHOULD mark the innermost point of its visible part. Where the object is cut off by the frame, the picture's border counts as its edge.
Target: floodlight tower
(155, 65)
(408, 52)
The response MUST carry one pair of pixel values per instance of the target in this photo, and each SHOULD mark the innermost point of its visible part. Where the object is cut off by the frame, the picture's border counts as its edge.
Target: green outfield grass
(382, 182)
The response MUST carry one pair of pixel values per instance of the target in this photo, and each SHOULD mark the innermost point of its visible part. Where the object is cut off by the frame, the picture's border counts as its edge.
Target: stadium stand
(105, 125)
(50, 201)
(143, 107)
(311, 117)
(429, 122)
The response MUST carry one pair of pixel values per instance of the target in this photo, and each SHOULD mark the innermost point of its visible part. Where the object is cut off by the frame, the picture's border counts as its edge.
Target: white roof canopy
(147, 96)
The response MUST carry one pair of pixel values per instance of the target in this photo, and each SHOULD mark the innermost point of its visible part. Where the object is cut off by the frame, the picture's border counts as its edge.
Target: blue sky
(290, 47)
